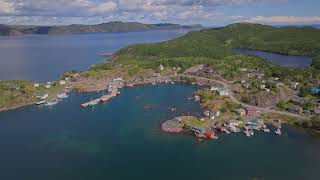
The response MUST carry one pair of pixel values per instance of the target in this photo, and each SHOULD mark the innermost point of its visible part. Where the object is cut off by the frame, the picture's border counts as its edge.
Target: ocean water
(46, 57)
(282, 60)
(122, 140)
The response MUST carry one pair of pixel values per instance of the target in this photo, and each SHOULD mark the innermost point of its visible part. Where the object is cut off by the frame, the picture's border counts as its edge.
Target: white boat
(278, 131)
(40, 102)
(62, 96)
(51, 103)
(172, 82)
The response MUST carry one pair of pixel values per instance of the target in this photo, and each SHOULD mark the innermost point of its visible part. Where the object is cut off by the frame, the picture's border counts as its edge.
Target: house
(214, 88)
(36, 85)
(117, 79)
(223, 92)
(47, 86)
(209, 133)
(243, 69)
(279, 84)
(161, 67)
(62, 82)
(251, 112)
(294, 85)
(296, 100)
(295, 109)
(262, 86)
(234, 123)
(247, 85)
(43, 97)
(315, 90)
(241, 112)
(316, 110)
(156, 74)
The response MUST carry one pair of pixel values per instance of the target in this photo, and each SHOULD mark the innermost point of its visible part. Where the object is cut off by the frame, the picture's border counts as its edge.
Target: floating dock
(105, 98)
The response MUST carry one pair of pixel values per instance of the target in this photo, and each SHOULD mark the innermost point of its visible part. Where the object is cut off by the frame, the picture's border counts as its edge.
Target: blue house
(315, 90)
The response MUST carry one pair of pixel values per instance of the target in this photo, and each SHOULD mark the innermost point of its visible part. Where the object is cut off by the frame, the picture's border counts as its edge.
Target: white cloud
(284, 19)
(6, 7)
(102, 8)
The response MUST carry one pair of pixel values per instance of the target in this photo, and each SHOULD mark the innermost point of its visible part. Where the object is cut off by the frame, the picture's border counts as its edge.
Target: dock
(105, 98)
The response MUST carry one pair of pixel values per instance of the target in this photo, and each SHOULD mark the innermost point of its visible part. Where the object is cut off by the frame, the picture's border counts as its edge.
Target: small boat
(278, 131)
(51, 103)
(172, 82)
(251, 133)
(118, 93)
(40, 102)
(154, 83)
(62, 96)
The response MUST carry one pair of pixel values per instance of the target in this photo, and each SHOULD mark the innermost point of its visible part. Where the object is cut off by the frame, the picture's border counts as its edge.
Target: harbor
(112, 92)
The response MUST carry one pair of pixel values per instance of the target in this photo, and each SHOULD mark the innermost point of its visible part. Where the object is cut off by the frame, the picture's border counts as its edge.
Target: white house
(223, 92)
(45, 96)
(161, 67)
(262, 86)
(62, 82)
(47, 86)
(36, 85)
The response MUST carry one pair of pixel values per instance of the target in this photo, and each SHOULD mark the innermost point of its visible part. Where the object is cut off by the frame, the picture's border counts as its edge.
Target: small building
(161, 67)
(156, 74)
(210, 134)
(43, 97)
(117, 79)
(197, 98)
(36, 85)
(262, 86)
(316, 110)
(223, 92)
(247, 86)
(62, 82)
(47, 86)
(251, 112)
(241, 112)
(294, 85)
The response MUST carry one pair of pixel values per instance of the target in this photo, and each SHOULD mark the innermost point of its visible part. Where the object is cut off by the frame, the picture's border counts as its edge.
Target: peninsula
(242, 88)
(115, 26)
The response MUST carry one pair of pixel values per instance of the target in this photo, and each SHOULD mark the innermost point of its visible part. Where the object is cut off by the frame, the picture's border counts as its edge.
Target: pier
(113, 89)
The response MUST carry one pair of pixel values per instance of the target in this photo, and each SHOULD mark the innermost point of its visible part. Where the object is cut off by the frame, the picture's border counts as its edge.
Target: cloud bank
(57, 12)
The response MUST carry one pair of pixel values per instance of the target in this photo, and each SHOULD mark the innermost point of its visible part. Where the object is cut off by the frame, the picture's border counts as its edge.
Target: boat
(118, 93)
(40, 102)
(278, 131)
(62, 96)
(172, 82)
(51, 103)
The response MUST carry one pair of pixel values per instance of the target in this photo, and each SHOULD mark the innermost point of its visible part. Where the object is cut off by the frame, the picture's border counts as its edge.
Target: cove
(282, 60)
(46, 57)
(122, 140)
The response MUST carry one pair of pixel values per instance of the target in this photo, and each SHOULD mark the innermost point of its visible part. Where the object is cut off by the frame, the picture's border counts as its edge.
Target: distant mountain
(116, 26)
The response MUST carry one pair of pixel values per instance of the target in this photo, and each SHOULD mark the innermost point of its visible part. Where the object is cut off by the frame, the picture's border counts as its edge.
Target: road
(228, 86)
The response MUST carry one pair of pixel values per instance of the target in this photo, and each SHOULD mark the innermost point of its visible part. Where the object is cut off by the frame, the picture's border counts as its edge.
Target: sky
(205, 12)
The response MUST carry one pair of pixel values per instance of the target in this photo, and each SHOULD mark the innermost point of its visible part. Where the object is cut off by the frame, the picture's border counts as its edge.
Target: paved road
(228, 86)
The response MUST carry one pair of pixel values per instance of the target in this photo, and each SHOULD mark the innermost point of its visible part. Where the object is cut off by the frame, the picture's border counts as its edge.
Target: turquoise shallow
(122, 140)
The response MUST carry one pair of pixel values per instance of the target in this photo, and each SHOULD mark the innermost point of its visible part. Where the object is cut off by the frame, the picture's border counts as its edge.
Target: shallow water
(46, 57)
(282, 60)
(122, 140)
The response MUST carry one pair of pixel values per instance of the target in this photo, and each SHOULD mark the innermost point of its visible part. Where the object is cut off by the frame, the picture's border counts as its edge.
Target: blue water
(122, 140)
(46, 57)
(282, 60)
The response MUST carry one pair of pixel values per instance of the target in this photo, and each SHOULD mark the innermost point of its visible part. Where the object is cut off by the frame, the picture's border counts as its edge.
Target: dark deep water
(122, 140)
(46, 57)
(282, 60)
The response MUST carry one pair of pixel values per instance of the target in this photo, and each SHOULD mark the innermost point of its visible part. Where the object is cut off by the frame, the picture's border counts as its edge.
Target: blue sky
(206, 12)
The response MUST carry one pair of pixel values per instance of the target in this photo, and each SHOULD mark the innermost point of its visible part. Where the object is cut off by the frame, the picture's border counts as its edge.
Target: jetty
(113, 89)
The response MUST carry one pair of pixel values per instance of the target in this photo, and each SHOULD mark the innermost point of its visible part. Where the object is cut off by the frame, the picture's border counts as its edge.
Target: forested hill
(218, 42)
(116, 26)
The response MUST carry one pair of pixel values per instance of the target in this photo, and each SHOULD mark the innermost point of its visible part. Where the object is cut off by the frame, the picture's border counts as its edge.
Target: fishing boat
(51, 103)
(62, 96)
(40, 102)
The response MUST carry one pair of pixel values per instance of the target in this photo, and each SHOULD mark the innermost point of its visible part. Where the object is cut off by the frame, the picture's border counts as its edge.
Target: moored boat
(40, 102)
